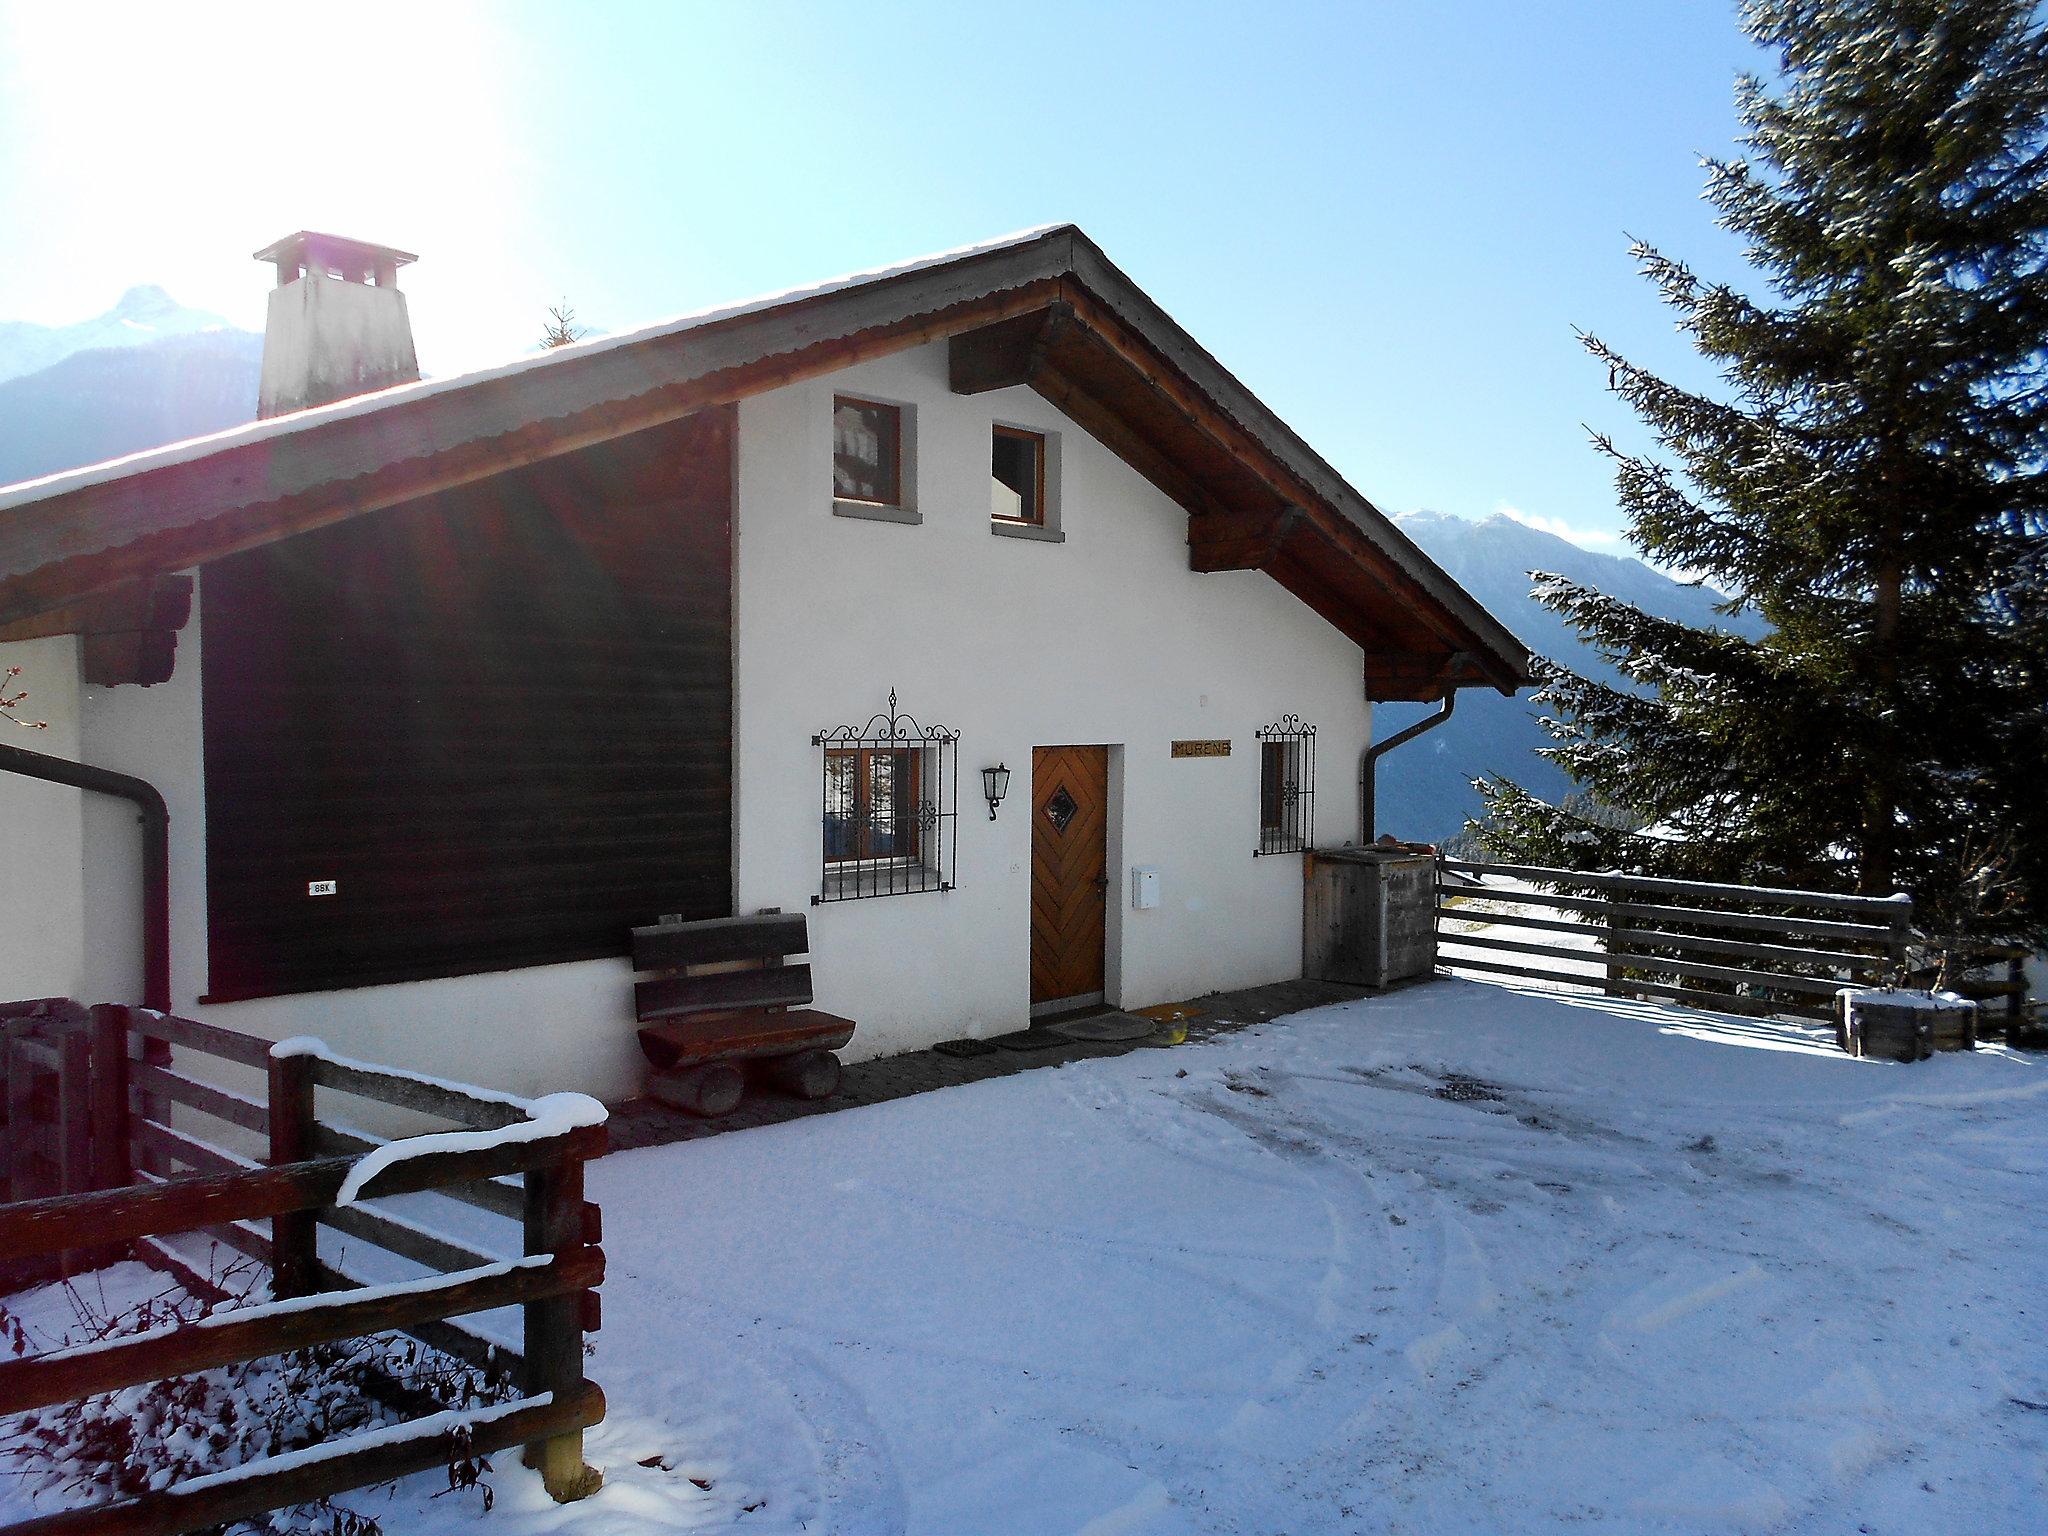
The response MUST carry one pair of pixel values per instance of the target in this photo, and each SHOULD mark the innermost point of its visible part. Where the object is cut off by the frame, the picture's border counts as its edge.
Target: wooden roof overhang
(1047, 310)
(1248, 507)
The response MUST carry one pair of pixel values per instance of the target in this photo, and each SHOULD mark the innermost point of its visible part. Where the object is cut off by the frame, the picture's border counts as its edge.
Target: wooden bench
(723, 996)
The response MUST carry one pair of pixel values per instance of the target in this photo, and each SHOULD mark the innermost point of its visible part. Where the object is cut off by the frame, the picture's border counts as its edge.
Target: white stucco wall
(1105, 638)
(42, 830)
(152, 733)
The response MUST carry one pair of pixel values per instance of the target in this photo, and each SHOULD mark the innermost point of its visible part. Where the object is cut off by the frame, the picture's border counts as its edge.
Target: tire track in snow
(1147, 1249)
(860, 1482)
(1431, 1252)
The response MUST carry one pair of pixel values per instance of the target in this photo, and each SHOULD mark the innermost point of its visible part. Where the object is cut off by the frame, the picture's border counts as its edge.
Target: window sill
(874, 880)
(875, 512)
(1038, 531)
(1280, 846)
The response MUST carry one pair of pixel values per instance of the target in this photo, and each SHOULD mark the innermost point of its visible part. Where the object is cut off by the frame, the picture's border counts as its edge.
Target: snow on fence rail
(95, 1165)
(1745, 949)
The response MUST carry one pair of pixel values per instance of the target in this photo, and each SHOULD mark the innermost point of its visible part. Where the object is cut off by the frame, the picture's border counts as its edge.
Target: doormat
(1104, 1027)
(964, 1048)
(1028, 1040)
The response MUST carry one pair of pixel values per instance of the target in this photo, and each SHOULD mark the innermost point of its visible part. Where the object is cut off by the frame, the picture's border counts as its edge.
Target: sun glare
(168, 142)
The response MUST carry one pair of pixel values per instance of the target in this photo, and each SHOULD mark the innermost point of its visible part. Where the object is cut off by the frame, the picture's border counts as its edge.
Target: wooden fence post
(110, 1168)
(294, 1238)
(74, 1127)
(74, 1109)
(554, 1327)
(15, 1082)
(1899, 943)
(103, 1042)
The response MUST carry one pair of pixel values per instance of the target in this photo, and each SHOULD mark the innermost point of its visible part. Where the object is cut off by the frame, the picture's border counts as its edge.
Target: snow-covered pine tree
(1870, 479)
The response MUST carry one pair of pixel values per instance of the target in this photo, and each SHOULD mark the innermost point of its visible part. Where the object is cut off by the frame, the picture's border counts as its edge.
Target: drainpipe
(156, 853)
(1368, 768)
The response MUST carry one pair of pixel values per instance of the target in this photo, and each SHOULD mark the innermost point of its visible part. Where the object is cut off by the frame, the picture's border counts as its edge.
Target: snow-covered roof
(25, 492)
(72, 535)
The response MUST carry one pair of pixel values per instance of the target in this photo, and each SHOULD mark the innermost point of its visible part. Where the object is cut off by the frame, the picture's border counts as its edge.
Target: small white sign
(319, 887)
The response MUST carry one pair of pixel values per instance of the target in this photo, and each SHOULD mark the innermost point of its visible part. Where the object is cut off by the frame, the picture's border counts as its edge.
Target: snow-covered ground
(1465, 1258)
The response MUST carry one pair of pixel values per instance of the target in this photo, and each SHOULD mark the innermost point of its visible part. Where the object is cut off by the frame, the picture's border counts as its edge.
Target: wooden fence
(1998, 979)
(96, 1166)
(1743, 949)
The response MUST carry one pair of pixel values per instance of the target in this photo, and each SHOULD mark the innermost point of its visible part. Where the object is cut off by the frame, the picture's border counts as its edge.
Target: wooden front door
(1069, 878)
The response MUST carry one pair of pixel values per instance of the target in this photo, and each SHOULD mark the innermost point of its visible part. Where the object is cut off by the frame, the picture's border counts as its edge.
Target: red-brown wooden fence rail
(95, 1166)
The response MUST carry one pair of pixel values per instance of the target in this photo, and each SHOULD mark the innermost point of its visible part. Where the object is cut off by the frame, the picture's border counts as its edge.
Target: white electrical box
(1144, 886)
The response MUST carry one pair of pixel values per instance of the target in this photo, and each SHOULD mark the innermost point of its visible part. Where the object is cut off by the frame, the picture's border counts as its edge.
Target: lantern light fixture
(995, 783)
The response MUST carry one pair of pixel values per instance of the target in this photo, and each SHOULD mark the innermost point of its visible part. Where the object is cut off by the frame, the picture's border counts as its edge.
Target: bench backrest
(674, 948)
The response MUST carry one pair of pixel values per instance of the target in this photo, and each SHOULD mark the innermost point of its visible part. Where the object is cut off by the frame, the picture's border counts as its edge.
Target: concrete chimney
(337, 325)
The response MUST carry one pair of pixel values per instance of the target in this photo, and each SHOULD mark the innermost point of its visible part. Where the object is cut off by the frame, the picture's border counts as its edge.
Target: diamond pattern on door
(1059, 810)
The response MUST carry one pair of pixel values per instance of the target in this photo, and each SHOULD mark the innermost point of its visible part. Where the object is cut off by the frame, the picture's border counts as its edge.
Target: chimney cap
(339, 250)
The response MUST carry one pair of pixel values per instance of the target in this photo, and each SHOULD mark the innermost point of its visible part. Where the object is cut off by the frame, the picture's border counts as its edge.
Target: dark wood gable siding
(499, 719)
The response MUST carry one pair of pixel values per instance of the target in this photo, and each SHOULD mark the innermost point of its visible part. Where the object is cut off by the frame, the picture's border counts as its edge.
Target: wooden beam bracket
(1241, 541)
(1008, 353)
(127, 635)
(1417, 677)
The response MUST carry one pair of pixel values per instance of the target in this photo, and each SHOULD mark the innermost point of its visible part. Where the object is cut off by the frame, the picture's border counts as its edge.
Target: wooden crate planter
(1901, 1025)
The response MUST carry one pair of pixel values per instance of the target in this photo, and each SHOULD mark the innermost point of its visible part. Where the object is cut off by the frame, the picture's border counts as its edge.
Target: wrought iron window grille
(1287, 786)
(889, 803)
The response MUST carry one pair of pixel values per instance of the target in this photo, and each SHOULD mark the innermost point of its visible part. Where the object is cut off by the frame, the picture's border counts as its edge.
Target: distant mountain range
(145, 315)
(1424, 793)
(149, 371)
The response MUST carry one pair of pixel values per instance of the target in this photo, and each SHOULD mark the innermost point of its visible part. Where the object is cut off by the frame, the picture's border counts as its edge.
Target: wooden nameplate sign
(1201, 749)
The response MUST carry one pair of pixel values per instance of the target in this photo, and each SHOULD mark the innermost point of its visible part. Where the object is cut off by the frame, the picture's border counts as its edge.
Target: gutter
(156, 852)
(1368, 768)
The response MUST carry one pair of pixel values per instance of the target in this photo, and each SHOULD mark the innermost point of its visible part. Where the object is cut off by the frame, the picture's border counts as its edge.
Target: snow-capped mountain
(1424, 791)
(145, 314)
(149, 371)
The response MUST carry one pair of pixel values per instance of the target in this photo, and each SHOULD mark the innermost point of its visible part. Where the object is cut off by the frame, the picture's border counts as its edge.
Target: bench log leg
(708, 1091)
(804, 1075)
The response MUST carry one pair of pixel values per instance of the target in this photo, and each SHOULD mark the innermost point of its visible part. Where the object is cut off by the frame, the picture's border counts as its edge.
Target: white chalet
(447, 686)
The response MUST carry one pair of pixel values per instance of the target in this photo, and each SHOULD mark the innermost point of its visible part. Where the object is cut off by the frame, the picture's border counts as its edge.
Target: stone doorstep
(646, 1122)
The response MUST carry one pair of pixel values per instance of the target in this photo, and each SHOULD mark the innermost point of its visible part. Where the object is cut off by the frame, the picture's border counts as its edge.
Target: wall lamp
(995, 783)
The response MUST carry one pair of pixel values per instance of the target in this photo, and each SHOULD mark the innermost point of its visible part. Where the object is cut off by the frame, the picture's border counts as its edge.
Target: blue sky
(1386, 218)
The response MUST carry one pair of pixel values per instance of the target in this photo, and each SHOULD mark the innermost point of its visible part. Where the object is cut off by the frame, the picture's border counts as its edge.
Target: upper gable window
(867, 451)
(1016, 476)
